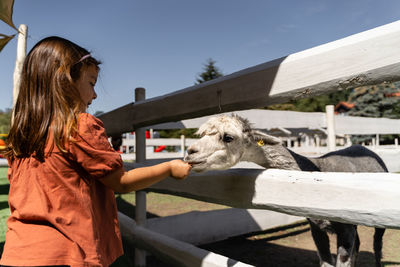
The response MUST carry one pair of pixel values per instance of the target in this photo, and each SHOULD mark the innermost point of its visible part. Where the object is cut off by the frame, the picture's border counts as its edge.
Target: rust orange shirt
(61, 214)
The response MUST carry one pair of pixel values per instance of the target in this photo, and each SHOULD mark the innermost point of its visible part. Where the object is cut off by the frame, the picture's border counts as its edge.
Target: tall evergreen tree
(210, 72)
(378, 101)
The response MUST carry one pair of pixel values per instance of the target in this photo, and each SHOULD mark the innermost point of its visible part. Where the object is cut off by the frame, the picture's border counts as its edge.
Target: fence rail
(270, 119)
(370, 199)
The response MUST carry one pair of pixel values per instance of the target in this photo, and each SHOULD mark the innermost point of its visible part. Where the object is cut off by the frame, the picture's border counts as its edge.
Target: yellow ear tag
(260, 142)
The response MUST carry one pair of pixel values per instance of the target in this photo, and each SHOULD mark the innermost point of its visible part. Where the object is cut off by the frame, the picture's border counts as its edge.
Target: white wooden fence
(366, 58)
(285, 121)
(270, 119)
(289, 123)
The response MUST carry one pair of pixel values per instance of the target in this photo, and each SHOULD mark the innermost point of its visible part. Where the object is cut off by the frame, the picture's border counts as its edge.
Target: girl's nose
(94, 95)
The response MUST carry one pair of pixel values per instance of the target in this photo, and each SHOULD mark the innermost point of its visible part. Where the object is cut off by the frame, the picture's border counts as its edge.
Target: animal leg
(321, 240)
(378, 245)
(348, 244)
(356, 249)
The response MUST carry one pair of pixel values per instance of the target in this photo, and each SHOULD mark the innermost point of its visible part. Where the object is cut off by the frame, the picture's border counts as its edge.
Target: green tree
(210, 72)
(313, 104)
(5, 120)
(378, 101)
(176, 133)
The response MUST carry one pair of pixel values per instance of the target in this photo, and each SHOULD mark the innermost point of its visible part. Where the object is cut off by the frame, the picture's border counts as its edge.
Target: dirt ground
(294, 247)
(286, 246)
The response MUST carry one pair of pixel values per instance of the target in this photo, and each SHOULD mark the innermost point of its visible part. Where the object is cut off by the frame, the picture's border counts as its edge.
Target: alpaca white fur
(226, 140)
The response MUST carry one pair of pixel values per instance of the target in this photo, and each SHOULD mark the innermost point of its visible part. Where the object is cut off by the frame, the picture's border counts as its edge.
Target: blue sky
(162, 44)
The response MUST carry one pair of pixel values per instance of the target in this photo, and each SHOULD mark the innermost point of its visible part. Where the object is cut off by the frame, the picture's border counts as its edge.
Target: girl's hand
(179, 169)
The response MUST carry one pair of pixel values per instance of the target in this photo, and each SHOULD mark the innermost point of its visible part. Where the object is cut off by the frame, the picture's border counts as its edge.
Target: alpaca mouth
(198, 166)
(193, 163)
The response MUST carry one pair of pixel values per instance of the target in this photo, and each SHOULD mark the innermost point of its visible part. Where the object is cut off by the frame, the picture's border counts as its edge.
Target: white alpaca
(226, 140)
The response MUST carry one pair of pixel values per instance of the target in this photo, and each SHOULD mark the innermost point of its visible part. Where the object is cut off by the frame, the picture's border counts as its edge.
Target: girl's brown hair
(48, 98)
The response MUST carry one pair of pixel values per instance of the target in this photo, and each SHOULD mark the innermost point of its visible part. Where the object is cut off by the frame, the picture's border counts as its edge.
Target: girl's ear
(265, 139)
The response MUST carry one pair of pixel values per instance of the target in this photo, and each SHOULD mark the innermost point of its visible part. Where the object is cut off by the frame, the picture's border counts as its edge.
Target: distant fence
(367, 58)
(289, 123)
(271, 119)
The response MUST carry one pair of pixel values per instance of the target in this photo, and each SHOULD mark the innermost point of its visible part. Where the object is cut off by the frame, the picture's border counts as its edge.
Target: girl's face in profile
(86, 83)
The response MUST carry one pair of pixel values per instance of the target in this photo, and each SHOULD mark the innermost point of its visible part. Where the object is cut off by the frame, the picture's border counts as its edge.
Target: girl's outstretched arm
(126, 181)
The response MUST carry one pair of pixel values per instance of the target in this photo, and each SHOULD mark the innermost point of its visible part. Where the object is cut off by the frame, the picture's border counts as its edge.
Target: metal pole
(330, 124)
(140, 213)
(21, 54)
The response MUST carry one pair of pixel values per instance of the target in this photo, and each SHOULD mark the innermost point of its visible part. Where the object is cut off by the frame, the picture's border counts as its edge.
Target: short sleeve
(9, 172)
(91, 148)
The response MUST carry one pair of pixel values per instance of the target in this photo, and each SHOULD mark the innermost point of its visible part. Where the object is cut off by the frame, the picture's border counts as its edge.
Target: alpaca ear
(265, 139)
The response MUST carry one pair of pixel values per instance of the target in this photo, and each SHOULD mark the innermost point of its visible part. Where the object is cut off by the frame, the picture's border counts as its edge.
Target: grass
(4, 210)
(161, 205)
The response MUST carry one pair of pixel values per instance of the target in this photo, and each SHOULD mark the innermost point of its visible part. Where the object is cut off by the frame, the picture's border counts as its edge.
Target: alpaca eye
(227, 138)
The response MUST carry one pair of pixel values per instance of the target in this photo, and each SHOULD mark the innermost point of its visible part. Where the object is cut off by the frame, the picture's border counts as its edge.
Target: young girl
(63, 171)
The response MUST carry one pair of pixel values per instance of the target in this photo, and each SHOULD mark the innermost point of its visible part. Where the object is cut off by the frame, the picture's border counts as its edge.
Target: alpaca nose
(191, 150)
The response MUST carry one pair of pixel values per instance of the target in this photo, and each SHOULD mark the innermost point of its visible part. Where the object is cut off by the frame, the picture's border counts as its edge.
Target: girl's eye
(227, 138)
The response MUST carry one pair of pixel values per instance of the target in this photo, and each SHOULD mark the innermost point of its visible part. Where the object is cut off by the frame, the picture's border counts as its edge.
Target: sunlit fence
(366, 58)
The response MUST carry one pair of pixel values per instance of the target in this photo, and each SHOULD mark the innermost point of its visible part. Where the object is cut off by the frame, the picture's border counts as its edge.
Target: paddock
(366, 58)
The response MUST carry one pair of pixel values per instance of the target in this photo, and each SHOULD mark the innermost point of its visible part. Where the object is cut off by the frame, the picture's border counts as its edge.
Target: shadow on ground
(255, 252)
(128, 259)
(1, 247)
(128, 209)
(4, 188)
(262, 249)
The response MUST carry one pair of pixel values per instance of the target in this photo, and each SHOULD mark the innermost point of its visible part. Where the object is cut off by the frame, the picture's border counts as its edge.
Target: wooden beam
(371, 199)
(269, 119)
(21, 54)
(202, 227)
(363, 125)
(260, 119)
(366, 58)
(172, 251)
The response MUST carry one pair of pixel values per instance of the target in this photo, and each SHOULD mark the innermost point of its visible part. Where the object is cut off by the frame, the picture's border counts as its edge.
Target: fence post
(140, 212)
(183, 145)
(317, 141)
(21, 54)
(330, 125)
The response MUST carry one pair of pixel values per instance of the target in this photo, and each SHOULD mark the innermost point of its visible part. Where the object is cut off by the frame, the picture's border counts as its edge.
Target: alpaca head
(225, 140)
